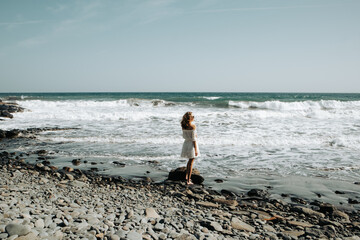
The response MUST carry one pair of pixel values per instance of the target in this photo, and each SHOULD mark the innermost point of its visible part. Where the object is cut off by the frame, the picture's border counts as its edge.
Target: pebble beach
(43, 202)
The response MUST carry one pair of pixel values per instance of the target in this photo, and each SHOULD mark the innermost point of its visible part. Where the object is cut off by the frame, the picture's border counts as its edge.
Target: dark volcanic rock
(353, 201)
(339, 192)
(179, 175)
(6, 114)
(76, 162)
(9, 134)
(7, 108)
(120, 164)
(258, 193)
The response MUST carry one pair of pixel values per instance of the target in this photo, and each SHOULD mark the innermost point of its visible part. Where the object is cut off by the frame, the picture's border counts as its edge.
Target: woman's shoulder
(191, 128)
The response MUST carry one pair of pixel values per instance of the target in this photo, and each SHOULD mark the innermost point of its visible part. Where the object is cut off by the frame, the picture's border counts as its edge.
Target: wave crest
(296, 106)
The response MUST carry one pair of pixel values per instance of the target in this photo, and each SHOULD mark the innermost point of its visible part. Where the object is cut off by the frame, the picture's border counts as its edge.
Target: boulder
(179, 175)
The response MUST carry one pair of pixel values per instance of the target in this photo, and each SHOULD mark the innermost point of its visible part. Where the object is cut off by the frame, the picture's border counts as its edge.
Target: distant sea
(281, 134)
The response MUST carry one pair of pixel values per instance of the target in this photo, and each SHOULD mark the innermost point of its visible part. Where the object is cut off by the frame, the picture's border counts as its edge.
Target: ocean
(239, 134)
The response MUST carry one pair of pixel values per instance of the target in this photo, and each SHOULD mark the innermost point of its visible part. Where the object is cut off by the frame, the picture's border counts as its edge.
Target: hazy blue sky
(187, 45)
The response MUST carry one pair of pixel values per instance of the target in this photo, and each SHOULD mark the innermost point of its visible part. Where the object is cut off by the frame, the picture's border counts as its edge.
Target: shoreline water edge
(42, 200)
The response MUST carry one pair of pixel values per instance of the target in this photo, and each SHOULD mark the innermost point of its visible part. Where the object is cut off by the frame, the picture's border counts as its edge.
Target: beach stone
(293, 234)
(159, 226)
(268, 228)
(240, 225)
(151, 213)
(207, 204)
(121, 233)
(3, 235)
(308, 211)
(43, 234)
(179, 175)
(76, 162)
(30, 236)
(338, 213)
(226, 202)
(324, 221)
(301, 224)
(314, 232)
(133, 235)
(58, 235)
(70, 177)
(216, 226)
(39, 223)
(254, 236)
(113, 237)
(17, 229)
(76, 183)
(352, 238)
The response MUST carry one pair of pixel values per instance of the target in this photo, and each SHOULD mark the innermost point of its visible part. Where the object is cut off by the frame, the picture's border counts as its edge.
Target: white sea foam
(211, 98)
(296, 106)
(280, 137)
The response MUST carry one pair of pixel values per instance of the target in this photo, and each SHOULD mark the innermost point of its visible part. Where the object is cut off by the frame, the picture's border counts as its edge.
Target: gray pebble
(17, 229)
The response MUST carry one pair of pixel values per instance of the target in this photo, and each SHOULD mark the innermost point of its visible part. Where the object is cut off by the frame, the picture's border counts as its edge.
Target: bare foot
(190, 183)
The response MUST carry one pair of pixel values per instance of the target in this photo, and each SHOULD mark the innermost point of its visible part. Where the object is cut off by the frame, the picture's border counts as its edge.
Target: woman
(190, 149)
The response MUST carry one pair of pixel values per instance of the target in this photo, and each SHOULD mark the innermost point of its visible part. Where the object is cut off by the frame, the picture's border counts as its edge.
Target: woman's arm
(196, 149)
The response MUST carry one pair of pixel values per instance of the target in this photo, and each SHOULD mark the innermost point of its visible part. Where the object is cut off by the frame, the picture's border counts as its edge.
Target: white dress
(188, 150)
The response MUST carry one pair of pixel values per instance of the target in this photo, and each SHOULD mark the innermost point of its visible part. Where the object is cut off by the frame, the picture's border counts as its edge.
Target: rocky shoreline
(39, 201)
(7, 108)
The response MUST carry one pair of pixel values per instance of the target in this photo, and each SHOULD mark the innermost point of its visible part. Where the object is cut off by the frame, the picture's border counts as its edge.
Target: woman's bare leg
(189, 170)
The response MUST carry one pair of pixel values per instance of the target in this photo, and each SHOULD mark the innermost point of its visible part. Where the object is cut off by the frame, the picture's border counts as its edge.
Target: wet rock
(9, 134)
(298, 200)
(307, 211)
(228, 193)
(327, 208)
(219, 180)
(179, 175)
(46, 163)
(339, 192)
(120, 164)
(41, 152)
(7, 108)
(68, 169)
(6, 114)
(76, 162)
(353, 201)
(258, 193)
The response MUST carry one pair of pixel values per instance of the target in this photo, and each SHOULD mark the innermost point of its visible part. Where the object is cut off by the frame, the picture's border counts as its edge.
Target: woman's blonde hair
(186, 121)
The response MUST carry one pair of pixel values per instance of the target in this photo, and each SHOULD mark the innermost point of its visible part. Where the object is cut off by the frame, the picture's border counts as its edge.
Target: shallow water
(240, 134)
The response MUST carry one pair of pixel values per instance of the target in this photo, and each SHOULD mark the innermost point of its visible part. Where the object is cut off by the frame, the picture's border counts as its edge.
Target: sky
(180, 46)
